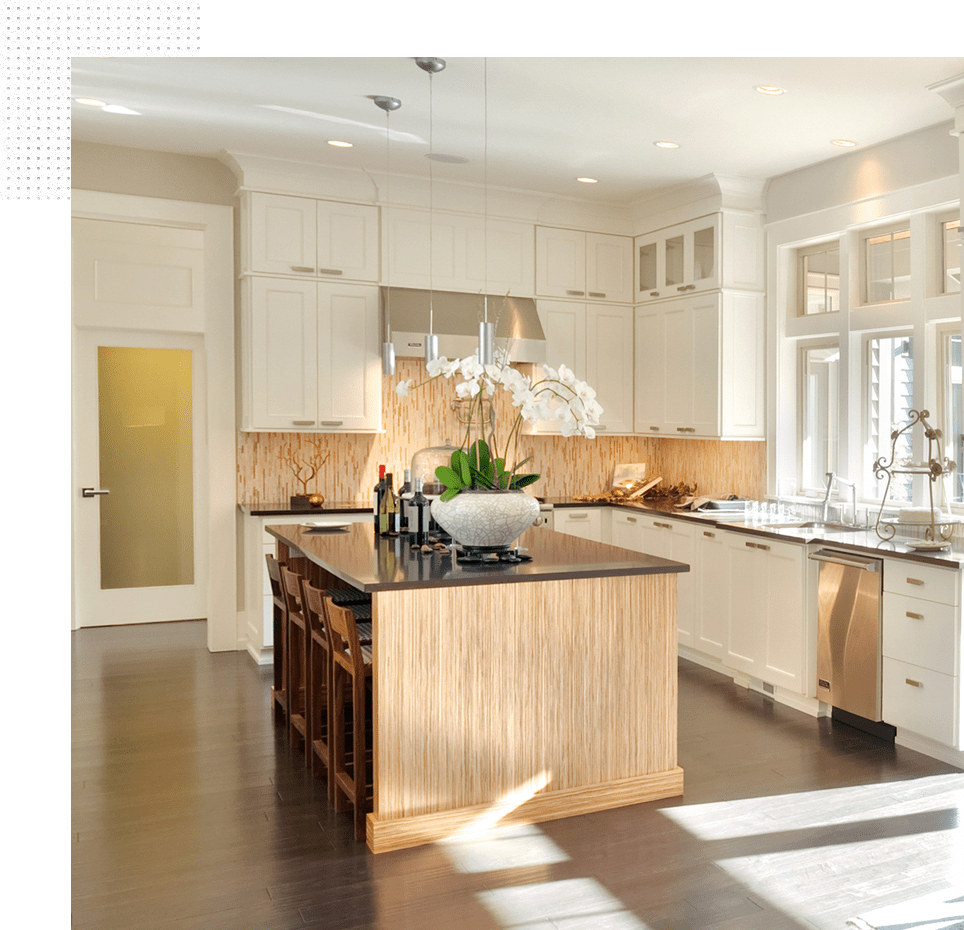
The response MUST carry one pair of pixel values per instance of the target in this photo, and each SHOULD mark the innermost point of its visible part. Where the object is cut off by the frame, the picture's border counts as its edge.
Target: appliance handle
(870, 565)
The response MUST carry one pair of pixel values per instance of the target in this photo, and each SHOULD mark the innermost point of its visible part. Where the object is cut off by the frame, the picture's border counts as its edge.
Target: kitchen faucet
(834, 477)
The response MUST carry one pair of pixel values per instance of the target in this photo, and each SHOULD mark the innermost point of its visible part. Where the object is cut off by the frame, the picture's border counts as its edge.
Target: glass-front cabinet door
(678, 260)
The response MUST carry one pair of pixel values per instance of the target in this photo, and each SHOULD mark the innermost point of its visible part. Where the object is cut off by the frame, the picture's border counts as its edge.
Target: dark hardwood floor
(189, 811)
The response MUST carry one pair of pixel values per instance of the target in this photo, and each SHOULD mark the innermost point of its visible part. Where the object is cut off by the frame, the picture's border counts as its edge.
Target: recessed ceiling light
(771, 90)
(666, 145)
(117, 108)
(588, 180)
(844, 143)
(339, 144)
(90, 102)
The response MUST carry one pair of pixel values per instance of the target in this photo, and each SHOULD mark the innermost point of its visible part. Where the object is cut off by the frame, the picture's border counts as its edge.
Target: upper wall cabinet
(457, 252)
(721, 250)
(591, 266)
(299, 236)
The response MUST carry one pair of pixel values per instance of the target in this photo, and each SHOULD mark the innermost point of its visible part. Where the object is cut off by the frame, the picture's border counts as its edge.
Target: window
(818, 270)
(818, 416)
(889, 385)
(886, 266)
(952, 246)
(952, 425)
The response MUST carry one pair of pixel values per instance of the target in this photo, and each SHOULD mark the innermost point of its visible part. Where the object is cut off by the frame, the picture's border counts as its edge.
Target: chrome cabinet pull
(302, 268)
(600, 427)
(914, 616)
(94, 492)
(914, 684)
(329, 271)
(915, 581)
(302, 422)
(578, 516)
(332, 422)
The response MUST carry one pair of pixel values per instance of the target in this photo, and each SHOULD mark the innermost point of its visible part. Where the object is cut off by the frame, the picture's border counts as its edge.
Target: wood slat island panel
(529, 700)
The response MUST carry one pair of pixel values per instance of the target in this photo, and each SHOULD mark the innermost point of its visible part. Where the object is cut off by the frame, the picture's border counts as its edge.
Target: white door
(138, 428)
(139, 422)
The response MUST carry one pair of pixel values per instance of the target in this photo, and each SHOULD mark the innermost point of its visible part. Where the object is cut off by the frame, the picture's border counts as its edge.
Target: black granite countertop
(282, 509)
(357, 557)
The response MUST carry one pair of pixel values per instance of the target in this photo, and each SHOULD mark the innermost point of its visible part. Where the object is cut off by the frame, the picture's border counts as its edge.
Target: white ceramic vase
(490, 519)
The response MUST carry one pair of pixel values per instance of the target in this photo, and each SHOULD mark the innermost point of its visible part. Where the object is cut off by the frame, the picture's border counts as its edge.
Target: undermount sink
(817, 525)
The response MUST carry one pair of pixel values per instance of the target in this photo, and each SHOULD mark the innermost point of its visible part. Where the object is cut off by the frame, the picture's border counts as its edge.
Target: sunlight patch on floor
(512, 847)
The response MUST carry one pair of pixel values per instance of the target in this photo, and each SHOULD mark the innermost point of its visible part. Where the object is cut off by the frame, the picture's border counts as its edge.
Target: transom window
(818, 270)
(886, 265)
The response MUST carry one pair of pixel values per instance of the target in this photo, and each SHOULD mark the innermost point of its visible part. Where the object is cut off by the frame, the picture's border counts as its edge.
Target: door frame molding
(217, 225)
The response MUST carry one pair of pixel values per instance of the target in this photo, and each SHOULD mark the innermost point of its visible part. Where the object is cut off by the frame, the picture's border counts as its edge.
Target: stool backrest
(292, 592)
(313, 600)
(274, 576)
(343, 636)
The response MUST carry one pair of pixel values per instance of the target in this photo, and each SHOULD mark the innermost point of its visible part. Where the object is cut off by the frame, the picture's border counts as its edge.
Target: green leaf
(519, 465)
(450, 478)
(447, 495)
(479, 480)
(481, 454)
(522, 481)
(465, 468)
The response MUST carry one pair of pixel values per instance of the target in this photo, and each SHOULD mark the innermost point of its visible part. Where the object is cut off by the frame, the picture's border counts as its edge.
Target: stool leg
(359, 748)
(338, 736)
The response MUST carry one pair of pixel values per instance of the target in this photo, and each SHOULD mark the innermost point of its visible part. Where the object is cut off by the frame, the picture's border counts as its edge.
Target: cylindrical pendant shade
(431, 348)
(388, 358)
(486, 343)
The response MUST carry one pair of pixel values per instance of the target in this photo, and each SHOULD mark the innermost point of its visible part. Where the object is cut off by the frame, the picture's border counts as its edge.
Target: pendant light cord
(388, 199)
(485, 184)
(431, 208)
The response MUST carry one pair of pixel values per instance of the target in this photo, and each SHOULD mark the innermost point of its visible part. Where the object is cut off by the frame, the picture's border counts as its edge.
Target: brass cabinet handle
(302, 268)
(711, 535)
(654, 293)
(665, 526)
(596, 294)
(577, 516)
(914, 616)
(763, 547)
(576, 293)
(329, 271)
(332, 422)
(915, 581)
(654, 429)
(685, 429)
(630, 519)
(302, 422)
(682, 288)
(915, 684)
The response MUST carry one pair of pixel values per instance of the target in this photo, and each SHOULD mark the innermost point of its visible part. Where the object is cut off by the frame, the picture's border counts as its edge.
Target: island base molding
(391, 835)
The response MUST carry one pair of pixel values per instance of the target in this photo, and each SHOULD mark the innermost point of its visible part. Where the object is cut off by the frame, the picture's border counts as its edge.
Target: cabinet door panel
(678, 355)
(565, 327)
(627, 532)
(784, 607)
(650, 367)
(283, 234)
(348, 240)
(713, 585)
(609, 267)
(283, 353)
(746, 630)
(507, 265)
(920, 700)
(560, 262)
(704, 366)
(683, 549)
(609, 364)
(350, 369)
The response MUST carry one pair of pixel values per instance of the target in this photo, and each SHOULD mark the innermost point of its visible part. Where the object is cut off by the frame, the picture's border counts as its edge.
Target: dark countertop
(353, 555)
(863, 541)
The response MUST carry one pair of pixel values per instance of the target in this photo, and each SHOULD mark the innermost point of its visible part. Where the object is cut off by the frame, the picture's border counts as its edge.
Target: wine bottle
(379, 490)
(404, 503)
(421, 514)
(388, 509)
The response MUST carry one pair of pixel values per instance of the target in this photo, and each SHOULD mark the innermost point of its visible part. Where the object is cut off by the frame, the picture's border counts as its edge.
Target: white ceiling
(549, 120)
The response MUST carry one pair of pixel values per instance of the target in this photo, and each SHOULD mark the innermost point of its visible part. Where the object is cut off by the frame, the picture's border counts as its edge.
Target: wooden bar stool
(279, 699)
(351, 673)
(298, 694)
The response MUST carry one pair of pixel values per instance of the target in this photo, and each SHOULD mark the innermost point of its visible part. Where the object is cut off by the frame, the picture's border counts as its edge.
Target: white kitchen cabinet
(304, 237)
(311, 356)
(921, 646)
(721, 250)
(669, 539)
(571, 263)
(458, 252)
(767, 610)
(596, 342)
(699, 364)
(712, 582)
(585, 523)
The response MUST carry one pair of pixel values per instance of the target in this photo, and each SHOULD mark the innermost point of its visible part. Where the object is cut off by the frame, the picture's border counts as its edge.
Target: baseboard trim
(390, 835)
(929, 747)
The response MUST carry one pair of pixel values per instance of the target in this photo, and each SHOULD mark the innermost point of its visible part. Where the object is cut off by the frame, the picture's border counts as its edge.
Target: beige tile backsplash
(569, 466)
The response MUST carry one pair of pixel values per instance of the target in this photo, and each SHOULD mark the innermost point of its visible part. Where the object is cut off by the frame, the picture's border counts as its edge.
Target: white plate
(925, 543)
(318, 525)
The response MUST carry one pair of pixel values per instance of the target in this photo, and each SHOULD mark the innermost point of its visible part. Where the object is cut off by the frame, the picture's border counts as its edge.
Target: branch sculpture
(304, 469)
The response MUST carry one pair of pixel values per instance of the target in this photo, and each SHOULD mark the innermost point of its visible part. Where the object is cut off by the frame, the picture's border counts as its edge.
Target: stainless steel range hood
(456, 323)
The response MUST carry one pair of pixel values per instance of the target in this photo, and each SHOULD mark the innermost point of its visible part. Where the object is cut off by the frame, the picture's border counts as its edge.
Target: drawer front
(584, 523)
(915, 580)
(920, 700)
(921, 632)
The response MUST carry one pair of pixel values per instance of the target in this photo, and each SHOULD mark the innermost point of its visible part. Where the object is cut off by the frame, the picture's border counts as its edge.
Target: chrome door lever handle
(94, 492)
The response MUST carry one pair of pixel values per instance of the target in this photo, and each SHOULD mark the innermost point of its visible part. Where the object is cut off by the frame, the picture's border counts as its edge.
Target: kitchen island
(509, 693)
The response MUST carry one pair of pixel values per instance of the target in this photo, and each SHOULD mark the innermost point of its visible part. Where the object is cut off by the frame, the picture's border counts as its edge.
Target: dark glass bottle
(388, 509)
(405, 503)
(379, 490)
(421, 514)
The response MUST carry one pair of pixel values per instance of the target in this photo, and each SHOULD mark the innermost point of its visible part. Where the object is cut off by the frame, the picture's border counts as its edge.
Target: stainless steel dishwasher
(848, 632)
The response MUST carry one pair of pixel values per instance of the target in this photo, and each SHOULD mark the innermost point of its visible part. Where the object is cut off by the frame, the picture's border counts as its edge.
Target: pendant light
(431, 66)
(388, 347)
(486, 329)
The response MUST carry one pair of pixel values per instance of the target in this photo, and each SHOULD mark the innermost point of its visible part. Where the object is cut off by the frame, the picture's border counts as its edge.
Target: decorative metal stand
(937, 533)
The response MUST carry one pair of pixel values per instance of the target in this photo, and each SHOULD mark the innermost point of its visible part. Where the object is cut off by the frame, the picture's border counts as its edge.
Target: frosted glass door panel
(674, 261)
(146, 461)
(704, 250)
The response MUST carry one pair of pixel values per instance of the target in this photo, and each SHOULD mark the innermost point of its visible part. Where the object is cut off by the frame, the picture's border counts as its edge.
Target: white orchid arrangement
(557, 395)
